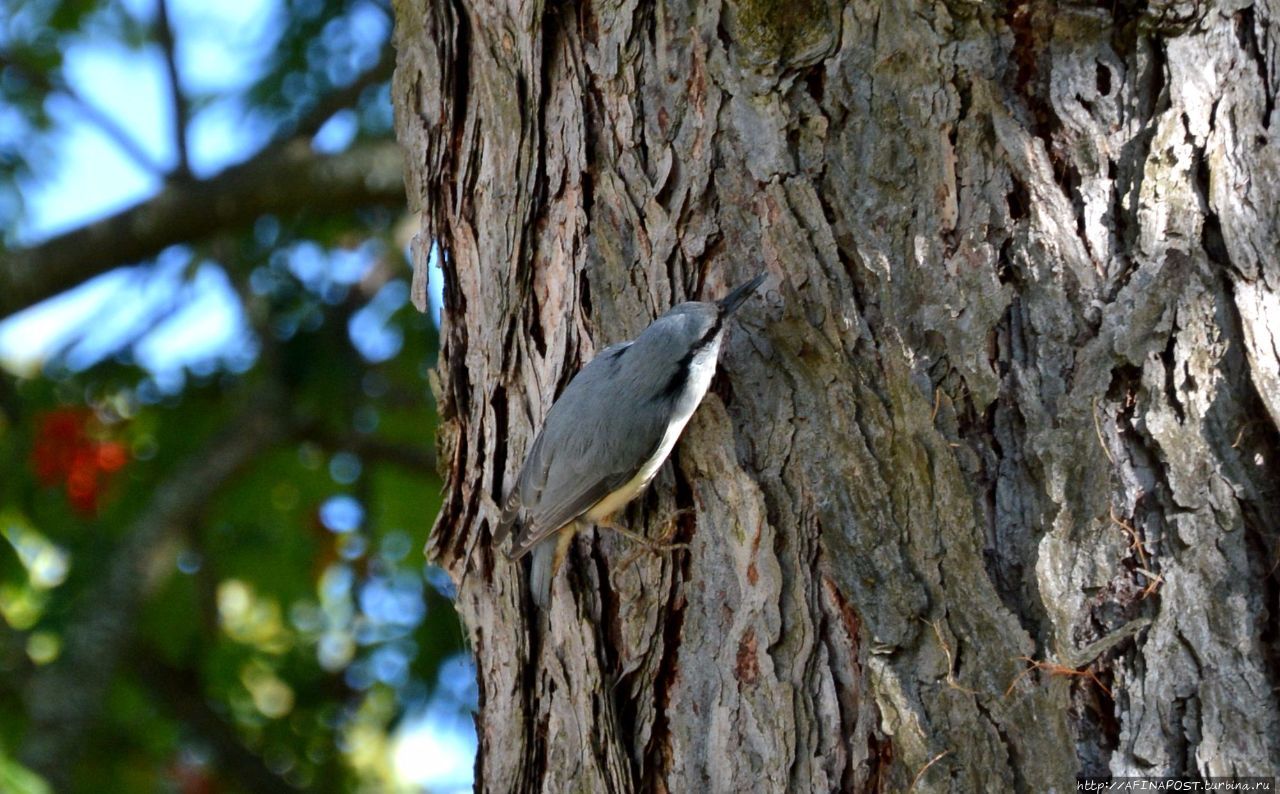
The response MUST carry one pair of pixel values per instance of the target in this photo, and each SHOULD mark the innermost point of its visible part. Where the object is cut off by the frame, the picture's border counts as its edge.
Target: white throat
(701, 369)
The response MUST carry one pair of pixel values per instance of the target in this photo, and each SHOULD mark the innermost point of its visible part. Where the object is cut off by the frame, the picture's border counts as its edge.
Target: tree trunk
(986, 491)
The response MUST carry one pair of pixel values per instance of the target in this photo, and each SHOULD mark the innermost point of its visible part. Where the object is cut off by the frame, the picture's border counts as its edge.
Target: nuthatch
(606, 436)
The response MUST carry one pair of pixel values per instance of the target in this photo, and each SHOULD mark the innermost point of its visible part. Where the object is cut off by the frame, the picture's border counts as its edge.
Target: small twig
(925, 768)
(1135, 542)
(1018, 677)
(338, 100)
(1053, 668)
(1240, 435)
(937, 403)
(55, 85)
(1136, 545)
(181, 112)
(1155, 579)
(1097, 428)
(117, 133)
(946, 649)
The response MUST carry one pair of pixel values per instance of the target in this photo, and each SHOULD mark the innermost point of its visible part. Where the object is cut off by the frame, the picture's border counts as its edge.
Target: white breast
(701, 370)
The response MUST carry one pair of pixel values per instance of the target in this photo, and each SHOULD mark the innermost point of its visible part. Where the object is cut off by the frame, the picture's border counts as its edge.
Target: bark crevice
(1010, 392)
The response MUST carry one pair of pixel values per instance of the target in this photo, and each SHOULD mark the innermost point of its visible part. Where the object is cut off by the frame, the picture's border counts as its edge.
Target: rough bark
(986, 491)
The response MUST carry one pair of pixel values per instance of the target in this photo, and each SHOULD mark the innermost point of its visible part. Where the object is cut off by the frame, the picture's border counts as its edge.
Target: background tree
(208, 582)
(985, 495)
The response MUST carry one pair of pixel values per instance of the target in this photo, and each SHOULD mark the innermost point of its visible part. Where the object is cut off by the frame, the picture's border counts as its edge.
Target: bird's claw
(659, 545)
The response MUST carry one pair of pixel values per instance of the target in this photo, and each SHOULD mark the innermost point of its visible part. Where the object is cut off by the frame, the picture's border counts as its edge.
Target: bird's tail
(508, 519)
(541, 562)
(544, 562)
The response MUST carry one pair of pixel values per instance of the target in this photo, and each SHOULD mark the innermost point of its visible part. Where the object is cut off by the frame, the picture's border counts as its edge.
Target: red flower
(67, 454)
(61, 434)
(112, 456)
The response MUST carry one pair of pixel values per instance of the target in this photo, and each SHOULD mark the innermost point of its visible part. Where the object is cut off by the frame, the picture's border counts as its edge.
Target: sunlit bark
(986, 493)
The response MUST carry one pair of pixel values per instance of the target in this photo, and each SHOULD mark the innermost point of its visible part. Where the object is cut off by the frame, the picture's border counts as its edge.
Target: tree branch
(181, 113)
(54, 85)
(281, 179)
(65, 698)
(340, 99)
(118, 134)
(406, 456)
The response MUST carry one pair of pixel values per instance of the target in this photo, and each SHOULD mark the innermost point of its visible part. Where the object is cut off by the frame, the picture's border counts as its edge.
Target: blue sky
(218, 49)
(93, 177)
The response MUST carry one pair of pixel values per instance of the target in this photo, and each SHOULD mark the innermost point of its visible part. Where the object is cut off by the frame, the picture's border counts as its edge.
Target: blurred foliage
(35, 36)
(290, 627)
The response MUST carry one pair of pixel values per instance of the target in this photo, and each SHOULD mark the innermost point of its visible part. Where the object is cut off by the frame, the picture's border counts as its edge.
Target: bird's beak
(736, 298)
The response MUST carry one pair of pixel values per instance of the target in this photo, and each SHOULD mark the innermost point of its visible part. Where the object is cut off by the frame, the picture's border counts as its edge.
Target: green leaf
(17, 779)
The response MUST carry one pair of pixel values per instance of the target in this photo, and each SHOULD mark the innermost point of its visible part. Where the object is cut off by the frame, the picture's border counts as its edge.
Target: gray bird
(606, 436)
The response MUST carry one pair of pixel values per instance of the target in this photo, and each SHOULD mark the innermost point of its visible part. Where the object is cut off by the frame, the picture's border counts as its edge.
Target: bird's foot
(660, 545)
(669, 529)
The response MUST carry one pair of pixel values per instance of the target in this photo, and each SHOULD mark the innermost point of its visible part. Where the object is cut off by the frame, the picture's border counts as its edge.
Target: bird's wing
(597, 452)
(512, 509)
(510, 512)
(538, 529)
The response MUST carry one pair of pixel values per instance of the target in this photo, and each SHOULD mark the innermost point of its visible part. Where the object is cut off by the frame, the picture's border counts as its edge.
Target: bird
(607, 435)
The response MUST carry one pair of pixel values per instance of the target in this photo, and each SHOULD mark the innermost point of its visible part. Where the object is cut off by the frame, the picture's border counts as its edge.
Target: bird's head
(729, 303)
(699, 321)
(691, 325)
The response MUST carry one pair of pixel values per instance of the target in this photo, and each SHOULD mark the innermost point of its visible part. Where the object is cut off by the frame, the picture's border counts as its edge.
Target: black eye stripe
(678, 378)
(708, 336)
